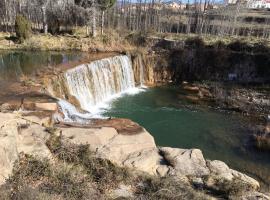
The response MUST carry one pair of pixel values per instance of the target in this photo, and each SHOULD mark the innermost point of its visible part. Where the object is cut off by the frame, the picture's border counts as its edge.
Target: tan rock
(148, 161)
(188, 162)
(120, 146)
(222, 178)
(46, 106)
(219, 168)
(108, 143)
(19, 135)
(254, 196)
(122, 191)
(96, 137)
(32, 140)
(246, 179)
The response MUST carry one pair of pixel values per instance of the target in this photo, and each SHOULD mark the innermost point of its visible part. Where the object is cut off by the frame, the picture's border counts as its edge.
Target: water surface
(176, 123)
(14, 64)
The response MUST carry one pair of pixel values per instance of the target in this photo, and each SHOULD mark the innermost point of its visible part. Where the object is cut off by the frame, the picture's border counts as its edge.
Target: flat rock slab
(108, 143)
(122, 126)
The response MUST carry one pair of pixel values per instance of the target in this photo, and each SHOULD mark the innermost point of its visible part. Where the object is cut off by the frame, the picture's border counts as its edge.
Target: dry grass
(79, 41)
(76, 173)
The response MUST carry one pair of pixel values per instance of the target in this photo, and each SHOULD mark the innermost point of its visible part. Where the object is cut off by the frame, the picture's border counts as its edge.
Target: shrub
(101, 171)
(54, 25)
(195, 42)
(138, 38)
(22, 28)
(166, 188)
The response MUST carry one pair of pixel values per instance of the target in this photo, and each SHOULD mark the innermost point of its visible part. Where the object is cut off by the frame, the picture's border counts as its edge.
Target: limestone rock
(46, 106)
(32, 140)
(96, 137)
(246, 179)
(123, 191)
(254, 196)
(188, 162)
(220, 169)
(19, 135)
(222, 178)
(108, 143)
(148, 161)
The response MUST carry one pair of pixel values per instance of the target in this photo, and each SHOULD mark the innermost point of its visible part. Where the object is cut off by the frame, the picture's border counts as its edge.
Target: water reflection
(14, 64)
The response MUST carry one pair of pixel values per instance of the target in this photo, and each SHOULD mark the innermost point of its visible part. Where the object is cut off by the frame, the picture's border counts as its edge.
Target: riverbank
(105, 43)
(91, 156)
(116, 41)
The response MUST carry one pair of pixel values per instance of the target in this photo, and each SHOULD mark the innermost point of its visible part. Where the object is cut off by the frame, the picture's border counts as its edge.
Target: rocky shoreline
(251, 102)
(135, 150)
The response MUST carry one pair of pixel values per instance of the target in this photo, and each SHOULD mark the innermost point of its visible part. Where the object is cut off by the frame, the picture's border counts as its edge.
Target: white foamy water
(96, 85)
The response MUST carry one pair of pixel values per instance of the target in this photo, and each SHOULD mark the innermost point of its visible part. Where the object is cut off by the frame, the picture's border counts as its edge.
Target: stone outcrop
(108, 143)
(20, 135)
(195, 164)
(135, 150)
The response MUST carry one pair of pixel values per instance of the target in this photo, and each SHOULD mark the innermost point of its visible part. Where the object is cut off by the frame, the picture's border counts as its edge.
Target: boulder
(148, 160)
(251, 182)
(219, 168)
(188, 162)
(232, 182)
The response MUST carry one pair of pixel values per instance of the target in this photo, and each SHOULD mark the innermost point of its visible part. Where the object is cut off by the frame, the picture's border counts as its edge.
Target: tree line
(199, 17)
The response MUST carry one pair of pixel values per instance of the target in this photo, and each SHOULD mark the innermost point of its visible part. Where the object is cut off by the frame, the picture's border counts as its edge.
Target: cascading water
(96, 83)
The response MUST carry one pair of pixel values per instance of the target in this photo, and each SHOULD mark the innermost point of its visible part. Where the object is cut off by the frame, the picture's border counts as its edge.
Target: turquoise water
(177, 123)
(14, 64)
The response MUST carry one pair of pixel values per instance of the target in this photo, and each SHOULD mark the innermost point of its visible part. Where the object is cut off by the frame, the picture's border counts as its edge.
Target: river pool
(177, 123)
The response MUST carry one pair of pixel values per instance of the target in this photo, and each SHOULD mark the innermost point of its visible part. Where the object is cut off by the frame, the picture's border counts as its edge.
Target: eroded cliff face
(192, 60)
(153, 68)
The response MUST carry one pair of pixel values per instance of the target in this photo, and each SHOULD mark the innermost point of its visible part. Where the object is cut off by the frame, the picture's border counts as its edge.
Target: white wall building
(258, 4)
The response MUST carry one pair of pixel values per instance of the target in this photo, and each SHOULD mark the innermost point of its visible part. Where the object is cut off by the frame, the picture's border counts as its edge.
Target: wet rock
(191, 88)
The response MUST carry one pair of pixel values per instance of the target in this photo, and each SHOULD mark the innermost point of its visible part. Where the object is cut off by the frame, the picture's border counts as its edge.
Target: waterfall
(98, 82)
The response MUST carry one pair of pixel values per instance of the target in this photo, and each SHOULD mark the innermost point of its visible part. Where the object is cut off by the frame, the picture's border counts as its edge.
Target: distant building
(258, 4)
(232, 1)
